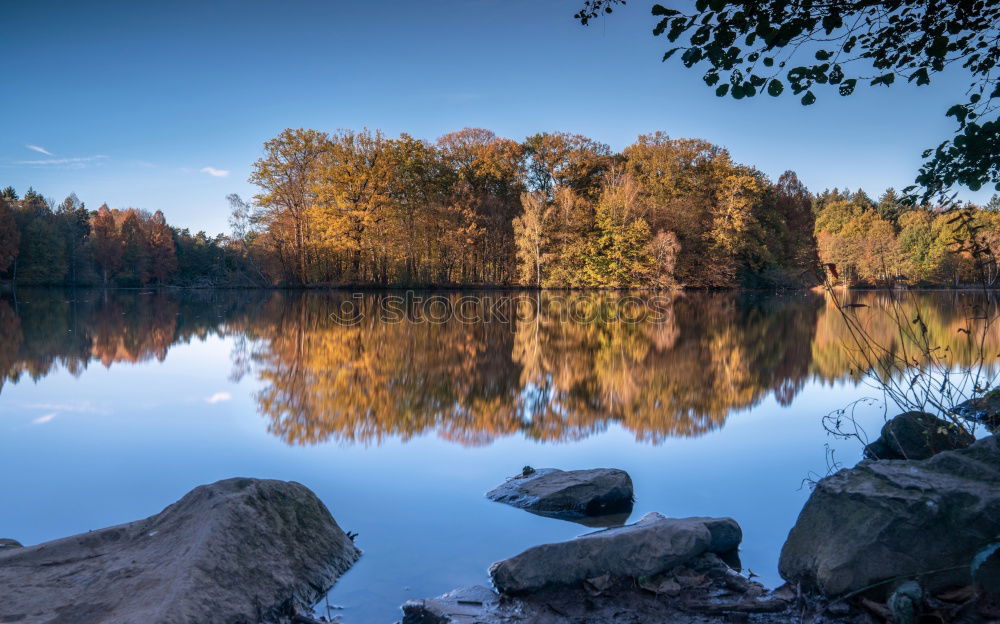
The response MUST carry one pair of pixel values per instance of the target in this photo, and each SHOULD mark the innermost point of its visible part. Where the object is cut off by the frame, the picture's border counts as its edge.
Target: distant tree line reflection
(527, 369)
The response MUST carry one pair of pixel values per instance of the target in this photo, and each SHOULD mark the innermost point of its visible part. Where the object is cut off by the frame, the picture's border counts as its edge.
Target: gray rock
(917, 435)
(569, 494)
(708, 592)
(467, 605)
(650, 546)
(9, 544)
(239, 550)
(985, 409)
(881, 520)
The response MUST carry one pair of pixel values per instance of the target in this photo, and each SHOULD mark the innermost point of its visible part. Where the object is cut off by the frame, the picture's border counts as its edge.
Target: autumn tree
(353, 198)
(618, 256)
(561, 159)
(530, 233)
(488, 184)
(107, 243)
(287, 175)
(161, 252)
(135, 248)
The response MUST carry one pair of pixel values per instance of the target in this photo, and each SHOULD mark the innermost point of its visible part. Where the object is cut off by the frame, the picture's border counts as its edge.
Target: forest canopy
(555, 210)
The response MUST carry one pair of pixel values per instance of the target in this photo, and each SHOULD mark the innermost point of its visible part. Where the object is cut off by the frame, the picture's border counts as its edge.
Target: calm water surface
(400, 410)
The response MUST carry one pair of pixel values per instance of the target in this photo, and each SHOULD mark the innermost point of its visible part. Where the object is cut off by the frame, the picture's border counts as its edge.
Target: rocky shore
(889, 540)
(909, 539)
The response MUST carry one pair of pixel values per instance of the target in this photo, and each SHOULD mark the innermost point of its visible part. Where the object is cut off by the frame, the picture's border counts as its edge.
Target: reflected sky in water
(113, 405)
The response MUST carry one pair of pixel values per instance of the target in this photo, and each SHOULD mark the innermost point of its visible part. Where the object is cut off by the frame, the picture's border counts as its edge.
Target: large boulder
(233, 552)
(652, 545)
(882, 520)
(917, 435)
(568, 494)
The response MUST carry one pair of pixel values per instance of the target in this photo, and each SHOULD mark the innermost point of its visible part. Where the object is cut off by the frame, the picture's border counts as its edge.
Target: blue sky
(164, 106)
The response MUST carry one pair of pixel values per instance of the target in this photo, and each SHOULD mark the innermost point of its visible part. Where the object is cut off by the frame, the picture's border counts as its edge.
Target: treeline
(44, 243)
(886, 242)
(555, 210)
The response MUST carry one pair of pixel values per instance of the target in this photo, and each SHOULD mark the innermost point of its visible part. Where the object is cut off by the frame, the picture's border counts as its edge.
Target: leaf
(808, 99)
(768, 61)
(823, 55)
(847, 87)
(722, 90)
(659, 9)
(886, 79)
(920, 76)
(775, 88)
(669, 53)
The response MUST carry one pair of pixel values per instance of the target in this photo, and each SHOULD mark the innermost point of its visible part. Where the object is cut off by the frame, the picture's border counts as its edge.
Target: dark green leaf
(659, 9)
(847, 87)
(669, 53)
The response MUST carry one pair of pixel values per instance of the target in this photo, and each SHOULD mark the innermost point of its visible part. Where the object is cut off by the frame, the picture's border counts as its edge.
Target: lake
(400, 409)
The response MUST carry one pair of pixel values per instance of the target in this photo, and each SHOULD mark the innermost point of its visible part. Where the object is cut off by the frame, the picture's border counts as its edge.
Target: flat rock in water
(239, 550)
(924, 519)
(650, 546)
(708, 592)
(985, 409)
(917, 435)
(568, 494)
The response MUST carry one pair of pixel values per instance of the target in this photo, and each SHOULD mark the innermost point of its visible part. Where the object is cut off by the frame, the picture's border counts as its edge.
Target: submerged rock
(881, 520)
(568, 494)
(985, 409)
(917, 435)
(651, 546)
(239, 550)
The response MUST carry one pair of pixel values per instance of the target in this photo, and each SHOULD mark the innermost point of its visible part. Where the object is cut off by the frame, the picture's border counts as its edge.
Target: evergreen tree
(10, 238)
(74, 223)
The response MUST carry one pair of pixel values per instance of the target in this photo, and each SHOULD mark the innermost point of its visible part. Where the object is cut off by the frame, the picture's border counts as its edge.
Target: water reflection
(474, 368)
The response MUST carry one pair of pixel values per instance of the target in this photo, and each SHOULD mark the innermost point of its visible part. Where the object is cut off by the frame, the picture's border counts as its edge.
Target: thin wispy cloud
(72, 163)
(40, 150)
(215, 173)
(41, 420)
(79, 406)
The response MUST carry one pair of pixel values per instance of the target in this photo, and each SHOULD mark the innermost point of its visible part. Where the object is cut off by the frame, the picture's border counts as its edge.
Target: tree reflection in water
(471, 367)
